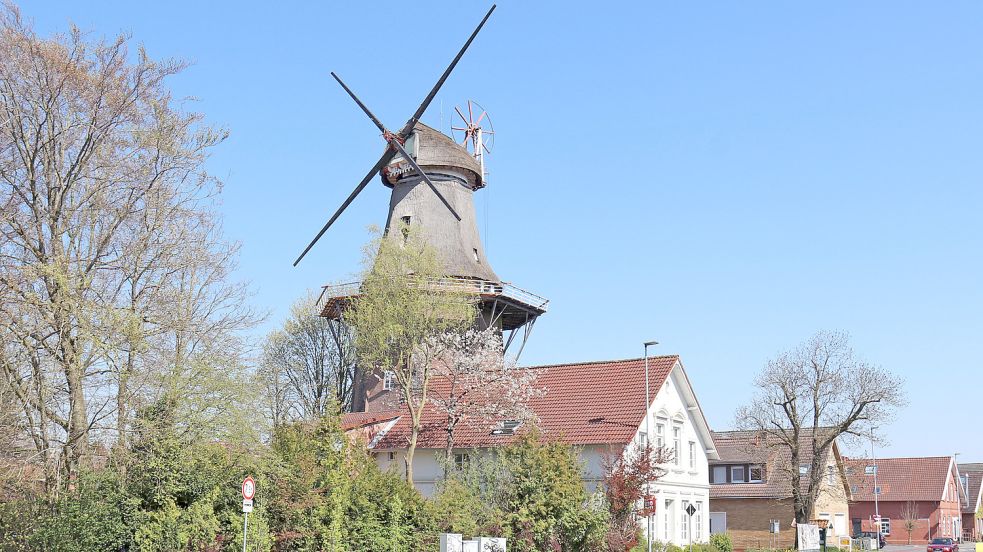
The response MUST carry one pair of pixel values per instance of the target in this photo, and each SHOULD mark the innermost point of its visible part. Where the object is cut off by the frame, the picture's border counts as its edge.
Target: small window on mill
(476, 259)
(406, 227)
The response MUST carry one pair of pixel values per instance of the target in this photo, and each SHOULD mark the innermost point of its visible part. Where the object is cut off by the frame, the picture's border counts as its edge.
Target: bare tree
(474, 382)
(311, 361)
(817, 393)
(401, 311)
(112, 265)
(909, 517)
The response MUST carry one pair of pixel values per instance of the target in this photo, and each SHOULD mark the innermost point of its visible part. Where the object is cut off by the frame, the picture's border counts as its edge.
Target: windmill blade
(360, 104)
(383, 161)
(408, 127)
(394, 142)
(426, 178)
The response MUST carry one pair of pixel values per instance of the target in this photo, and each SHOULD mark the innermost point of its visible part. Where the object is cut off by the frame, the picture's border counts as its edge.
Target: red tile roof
(975, 491)
(584, 404)
(900, 479)
(753, 447)
(352, 420)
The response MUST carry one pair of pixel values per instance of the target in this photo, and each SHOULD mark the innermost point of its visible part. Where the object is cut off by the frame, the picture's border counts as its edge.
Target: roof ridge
(880, 458)
(591, 362)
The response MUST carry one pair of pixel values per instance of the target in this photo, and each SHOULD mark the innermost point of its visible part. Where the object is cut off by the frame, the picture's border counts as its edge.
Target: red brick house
(971, 479)
(925, 491)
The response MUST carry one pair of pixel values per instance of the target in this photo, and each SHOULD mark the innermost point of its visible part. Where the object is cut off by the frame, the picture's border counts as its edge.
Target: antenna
(476, 134)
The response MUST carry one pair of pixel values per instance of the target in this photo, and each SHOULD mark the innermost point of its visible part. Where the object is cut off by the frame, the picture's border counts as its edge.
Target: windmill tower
(433, 181)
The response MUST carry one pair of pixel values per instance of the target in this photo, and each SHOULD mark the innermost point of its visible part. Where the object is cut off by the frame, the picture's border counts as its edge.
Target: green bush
(722, 542)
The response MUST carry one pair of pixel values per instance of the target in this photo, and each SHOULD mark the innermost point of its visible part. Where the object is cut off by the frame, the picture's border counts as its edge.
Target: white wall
(686, 480)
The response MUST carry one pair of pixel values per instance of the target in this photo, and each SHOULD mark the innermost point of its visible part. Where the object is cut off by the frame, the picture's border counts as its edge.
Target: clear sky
(724, 177)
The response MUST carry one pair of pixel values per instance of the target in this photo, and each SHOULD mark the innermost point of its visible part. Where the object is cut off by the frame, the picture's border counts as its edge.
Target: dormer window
(870, 470)
(507, 427)
(737, 474)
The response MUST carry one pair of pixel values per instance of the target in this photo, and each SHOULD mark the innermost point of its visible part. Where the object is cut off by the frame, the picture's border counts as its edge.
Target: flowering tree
(626, 477)
(474, 382)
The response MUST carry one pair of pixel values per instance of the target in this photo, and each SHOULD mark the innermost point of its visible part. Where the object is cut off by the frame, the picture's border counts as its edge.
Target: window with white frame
(719, 474)
(886, 526)
(692, 454)
(461, 460)
(643, 440)
(675, 445)
(684, 522)
(803, 469)
(830, 475)
(756, 474)
(660, 435)
(737, 474)
(388, 380)
(698, 522)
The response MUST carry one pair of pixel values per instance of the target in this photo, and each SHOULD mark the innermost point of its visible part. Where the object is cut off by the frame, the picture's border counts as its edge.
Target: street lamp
(877, 512)
(648, 437)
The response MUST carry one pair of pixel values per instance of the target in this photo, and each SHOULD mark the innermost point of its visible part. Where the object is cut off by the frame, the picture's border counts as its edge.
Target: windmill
(433, 179)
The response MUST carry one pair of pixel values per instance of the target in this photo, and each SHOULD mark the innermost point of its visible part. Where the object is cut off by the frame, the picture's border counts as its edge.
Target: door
(718, 522)
(839, 525)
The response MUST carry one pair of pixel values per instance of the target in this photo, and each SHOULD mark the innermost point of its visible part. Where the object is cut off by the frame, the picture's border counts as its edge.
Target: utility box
(451, 542)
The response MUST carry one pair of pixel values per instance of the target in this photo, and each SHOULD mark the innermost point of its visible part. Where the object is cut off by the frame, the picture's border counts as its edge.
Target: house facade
(751, 489)
(971, 480)
(923, 494)
(598, 407)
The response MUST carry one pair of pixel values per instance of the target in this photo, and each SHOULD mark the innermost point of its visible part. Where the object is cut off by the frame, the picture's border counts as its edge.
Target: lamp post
(648, 439)
(877, 512)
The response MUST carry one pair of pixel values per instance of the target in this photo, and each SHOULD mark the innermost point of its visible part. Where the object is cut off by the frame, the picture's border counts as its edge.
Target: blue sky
(724, 177)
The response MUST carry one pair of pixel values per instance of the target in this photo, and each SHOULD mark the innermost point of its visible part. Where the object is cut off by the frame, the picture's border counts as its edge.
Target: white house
(595, 406)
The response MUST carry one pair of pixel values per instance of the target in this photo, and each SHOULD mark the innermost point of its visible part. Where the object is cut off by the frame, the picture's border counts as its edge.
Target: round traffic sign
(248, 488)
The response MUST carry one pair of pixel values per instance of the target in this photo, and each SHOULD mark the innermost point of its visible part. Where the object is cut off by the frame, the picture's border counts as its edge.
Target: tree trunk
(449, 451)
(409, 454)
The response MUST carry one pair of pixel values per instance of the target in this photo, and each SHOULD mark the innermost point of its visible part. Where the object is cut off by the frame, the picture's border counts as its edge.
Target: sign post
(690, 510)
(248, 491)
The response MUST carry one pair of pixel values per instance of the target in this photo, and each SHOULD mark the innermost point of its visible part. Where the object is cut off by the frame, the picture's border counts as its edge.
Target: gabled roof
(588, 403)
(756, 447)
(900, 479)
(974, 473)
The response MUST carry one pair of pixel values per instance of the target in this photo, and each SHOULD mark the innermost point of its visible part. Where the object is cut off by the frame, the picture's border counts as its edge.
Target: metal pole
(877, 512)
(245, 527)
(648, 432)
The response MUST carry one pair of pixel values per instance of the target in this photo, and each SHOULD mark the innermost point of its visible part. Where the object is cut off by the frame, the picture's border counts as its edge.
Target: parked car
(943, 545)
(881, 543)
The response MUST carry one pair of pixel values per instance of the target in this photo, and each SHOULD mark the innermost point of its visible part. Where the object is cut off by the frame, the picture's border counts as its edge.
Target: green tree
(530, 491)
(545, 502)
(328, 494)
(404, 308)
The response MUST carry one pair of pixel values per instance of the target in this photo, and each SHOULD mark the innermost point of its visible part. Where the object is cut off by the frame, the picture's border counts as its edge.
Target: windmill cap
(436, 150)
